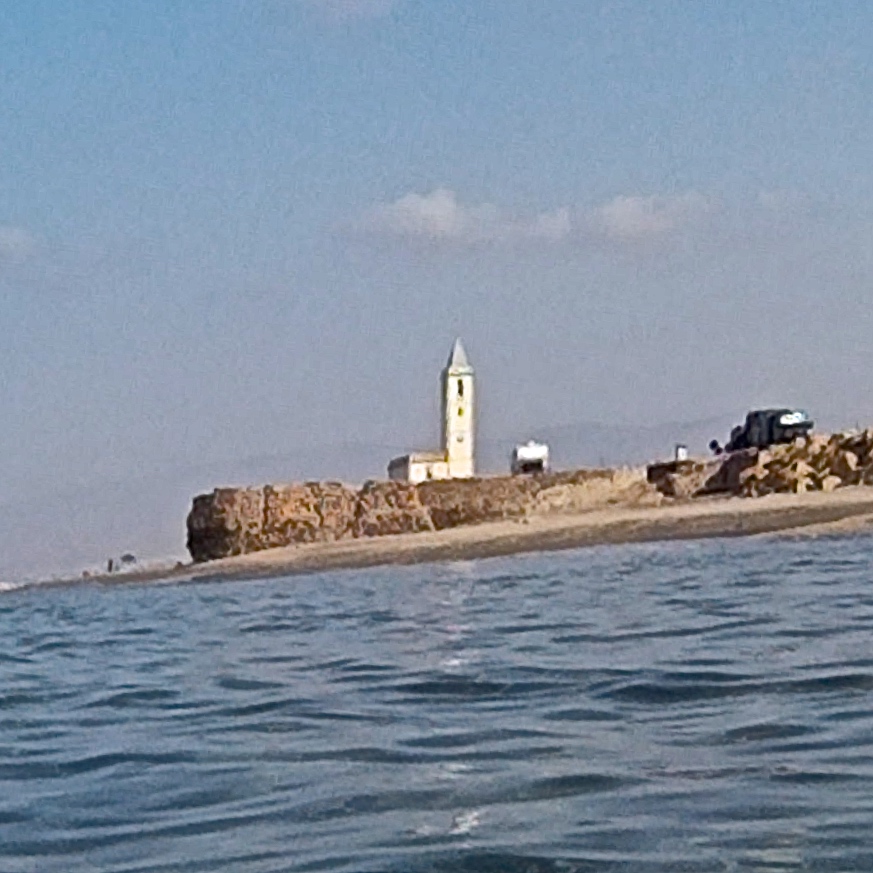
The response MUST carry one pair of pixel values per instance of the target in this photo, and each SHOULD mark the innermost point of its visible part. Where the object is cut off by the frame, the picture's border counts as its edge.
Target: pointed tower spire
(458, 357)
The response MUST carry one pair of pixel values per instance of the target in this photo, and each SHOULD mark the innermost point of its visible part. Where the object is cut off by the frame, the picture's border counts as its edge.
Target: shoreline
(845, 511)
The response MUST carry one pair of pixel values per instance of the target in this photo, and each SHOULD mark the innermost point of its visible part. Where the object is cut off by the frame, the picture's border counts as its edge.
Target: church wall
(422, 471)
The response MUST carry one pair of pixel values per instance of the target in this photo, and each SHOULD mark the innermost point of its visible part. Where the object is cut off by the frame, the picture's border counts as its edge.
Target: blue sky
(239, 228)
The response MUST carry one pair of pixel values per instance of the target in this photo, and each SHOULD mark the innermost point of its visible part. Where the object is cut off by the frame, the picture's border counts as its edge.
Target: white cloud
(441, 216)
(15, 243)
(437, 215)
(551, 225)
(628, 220)
(635, 218)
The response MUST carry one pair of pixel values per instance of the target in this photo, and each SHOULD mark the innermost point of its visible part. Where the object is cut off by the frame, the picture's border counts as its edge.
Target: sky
(238, 230)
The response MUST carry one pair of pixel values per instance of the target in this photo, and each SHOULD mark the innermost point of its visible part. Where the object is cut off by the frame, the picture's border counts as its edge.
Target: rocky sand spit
(236, 521)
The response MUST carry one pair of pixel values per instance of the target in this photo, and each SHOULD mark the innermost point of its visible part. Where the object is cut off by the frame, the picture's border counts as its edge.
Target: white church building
(456, 459)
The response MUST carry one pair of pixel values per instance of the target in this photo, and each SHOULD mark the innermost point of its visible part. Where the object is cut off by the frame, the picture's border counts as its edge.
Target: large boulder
(225, 522)
(307, 513)
(695, 477)
(234, 521)
(818, 463)
(384, 508)
(622, 487)
(456, 502)
(846, 466)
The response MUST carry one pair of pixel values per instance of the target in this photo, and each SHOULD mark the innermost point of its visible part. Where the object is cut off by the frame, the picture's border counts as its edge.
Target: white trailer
(529, 458)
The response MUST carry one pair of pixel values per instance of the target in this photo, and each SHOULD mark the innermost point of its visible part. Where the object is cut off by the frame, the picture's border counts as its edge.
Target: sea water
(701, 706)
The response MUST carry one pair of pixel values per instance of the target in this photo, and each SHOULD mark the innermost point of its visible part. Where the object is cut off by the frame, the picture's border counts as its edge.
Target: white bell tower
(457, 410)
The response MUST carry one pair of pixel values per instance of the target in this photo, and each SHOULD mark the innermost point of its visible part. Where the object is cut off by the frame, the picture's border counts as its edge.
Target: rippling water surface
(683, 707)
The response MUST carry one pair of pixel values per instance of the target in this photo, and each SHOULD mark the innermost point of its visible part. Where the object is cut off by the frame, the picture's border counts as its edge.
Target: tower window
(460, 387)
(460, 411)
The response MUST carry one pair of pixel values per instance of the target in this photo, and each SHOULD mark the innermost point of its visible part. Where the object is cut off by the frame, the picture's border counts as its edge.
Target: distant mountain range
(588, 444)
(572, 445)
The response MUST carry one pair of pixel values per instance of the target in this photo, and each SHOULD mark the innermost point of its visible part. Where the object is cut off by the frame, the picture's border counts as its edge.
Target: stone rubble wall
(817, 463)
(312, 512)
(234, 521)
(384, 508)
(696, 477)
(820, 462)
(229, 521)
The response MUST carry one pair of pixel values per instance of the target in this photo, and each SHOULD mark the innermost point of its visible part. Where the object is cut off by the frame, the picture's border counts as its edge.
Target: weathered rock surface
(385, 508)
(817, 463)
(456, 502)
(232, 521)
(308, 513)
(625, 487)
(227, 522)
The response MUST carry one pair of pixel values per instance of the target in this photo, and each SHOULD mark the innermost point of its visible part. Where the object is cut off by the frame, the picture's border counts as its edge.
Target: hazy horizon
(251, 229)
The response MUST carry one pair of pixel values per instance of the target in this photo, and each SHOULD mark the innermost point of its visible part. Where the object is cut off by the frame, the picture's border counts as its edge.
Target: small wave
(61, 769)
(399, 720)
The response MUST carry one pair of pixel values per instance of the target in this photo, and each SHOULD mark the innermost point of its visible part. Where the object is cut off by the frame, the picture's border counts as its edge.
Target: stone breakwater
(821, 462)
(818, 463)
(235, 521)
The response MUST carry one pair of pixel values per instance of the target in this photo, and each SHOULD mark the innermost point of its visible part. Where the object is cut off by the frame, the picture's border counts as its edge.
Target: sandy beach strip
(848, 510)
